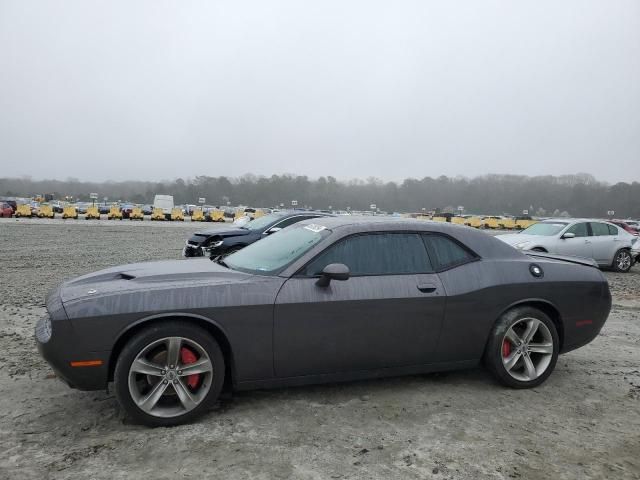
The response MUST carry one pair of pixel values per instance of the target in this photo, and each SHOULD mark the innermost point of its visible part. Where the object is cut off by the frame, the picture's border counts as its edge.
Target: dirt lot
(584, 422)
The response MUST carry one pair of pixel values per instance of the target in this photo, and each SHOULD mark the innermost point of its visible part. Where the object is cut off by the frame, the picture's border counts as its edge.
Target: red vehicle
(6, 210)
(625, 226)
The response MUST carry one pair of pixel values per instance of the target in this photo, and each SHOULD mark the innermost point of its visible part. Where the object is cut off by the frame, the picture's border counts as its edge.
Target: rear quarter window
(446, 253)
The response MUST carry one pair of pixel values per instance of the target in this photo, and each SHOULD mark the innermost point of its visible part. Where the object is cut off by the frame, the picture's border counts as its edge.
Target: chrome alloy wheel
(170, 376)
(623, 260)
(527, 349)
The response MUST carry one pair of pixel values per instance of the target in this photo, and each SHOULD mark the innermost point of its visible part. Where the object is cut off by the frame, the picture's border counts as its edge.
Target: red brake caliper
(187, 357)
(506, 348)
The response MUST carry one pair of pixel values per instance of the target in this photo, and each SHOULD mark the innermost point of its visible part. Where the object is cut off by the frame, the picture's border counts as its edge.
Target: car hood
(232, 232)
(515, 238)
(149, 276)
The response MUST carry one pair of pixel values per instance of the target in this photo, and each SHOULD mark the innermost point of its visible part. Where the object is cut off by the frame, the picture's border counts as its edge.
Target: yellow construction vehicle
(136, 214)
(93, 213)
(157, 214)
(115, 213)
(258, 214)
(70, 212)
(475, 222)
(23, 210)
(490, 222)
(177, 215)
(215, 216)
(239, 214)
(507, 223)
(198, 215)
(46, 211)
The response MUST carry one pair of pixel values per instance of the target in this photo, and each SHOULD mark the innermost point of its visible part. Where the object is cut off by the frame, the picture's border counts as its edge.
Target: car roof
(484, 245)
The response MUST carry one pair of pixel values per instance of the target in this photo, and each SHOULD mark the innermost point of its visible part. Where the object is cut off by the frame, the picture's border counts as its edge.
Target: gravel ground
(584, 422)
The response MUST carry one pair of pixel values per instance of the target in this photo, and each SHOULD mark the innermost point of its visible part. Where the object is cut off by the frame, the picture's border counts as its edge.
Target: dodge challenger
(327, 299)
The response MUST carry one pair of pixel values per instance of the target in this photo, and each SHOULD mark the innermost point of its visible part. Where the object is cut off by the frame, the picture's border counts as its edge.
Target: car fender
(550, 307)
(209, 324)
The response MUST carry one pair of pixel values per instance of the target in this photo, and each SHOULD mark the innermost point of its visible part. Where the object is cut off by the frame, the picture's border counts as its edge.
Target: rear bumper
(582, 330)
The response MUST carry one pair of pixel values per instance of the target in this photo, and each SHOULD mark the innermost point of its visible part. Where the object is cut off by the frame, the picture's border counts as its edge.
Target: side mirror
(333, 271)
(569, 235)
(273, 230)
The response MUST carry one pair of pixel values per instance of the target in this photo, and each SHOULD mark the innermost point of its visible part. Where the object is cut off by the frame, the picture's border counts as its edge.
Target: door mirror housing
(569, 235)
(333, 271)
(273, 230)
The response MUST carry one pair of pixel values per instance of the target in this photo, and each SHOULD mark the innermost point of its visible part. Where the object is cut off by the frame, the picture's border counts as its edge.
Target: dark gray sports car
(324, 300)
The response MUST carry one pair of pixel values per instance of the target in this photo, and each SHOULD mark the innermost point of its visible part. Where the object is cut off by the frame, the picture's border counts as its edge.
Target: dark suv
(222, 241)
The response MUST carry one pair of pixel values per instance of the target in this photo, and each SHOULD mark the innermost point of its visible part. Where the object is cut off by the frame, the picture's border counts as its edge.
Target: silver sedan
(607, 244)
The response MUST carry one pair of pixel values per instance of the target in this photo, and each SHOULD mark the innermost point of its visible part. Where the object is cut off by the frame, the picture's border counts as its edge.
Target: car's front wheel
(622, 261)
(523, 348)
(169, 374)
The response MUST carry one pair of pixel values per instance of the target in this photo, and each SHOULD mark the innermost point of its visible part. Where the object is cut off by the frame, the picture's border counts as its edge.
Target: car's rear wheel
(622, 261)
(169, 374)
(523, 348)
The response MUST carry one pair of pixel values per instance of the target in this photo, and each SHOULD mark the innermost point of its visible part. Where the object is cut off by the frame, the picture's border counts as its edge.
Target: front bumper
(192, 251)
(62, 348)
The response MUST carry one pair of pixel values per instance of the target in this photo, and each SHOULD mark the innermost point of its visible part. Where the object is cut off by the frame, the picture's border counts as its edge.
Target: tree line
(575, 195)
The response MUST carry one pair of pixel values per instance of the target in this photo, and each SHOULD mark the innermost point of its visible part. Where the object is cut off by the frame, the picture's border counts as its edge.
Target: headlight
(522, 244)
(44, 329)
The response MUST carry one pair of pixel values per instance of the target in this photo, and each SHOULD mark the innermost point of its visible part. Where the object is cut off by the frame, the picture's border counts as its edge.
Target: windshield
(274, 253)
(262, 222)
(546, 229)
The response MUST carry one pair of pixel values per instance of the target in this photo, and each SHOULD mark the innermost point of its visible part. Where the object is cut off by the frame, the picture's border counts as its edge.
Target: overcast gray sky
(155, 89)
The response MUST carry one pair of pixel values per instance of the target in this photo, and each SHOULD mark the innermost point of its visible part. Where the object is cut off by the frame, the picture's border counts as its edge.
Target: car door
(387, 314)
(605, 242)
(578, 246)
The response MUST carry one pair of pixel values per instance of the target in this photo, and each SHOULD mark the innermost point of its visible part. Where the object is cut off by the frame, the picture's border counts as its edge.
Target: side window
(579, 229)
(445, 253)
(376, 254)
(613, 230)
(599, 229)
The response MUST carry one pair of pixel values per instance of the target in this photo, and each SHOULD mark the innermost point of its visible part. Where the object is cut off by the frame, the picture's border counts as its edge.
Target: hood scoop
(105, 277)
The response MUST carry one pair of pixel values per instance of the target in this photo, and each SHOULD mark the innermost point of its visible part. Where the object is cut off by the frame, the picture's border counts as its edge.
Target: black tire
(149, 335)
(538, 249)
(622, 261)
(495, 358)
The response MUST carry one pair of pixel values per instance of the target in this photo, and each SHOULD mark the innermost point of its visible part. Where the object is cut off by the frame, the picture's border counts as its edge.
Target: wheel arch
(544, 306)
(212, 327)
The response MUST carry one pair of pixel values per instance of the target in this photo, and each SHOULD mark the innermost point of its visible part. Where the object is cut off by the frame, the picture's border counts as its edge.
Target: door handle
(587, 241)
(427, 287)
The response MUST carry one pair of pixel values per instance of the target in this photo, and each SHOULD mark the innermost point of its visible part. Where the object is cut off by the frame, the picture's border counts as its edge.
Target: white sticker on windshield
(315, 228)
